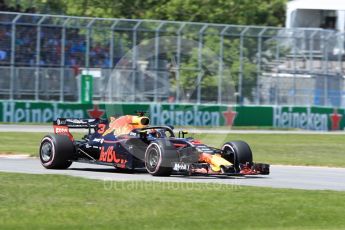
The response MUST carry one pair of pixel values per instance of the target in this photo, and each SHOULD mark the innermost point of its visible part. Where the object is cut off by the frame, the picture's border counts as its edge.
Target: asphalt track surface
(296, 177)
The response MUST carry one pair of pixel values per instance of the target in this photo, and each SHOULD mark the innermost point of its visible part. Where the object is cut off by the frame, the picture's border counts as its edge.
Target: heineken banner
(309, 118)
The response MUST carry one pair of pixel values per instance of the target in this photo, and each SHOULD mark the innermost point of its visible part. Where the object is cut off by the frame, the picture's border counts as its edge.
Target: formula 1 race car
(129, 142)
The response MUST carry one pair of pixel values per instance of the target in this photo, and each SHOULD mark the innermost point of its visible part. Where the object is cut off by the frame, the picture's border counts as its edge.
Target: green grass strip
(62, 202)
(287, 149)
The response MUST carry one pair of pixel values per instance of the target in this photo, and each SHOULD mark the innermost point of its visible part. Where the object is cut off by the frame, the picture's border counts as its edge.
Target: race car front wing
(205, 169)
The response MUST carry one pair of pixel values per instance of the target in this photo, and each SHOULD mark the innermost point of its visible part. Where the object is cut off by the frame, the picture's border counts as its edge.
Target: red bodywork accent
(247, 170)
(196, 142)
(101, 128)
(178, 145)
(63, 130)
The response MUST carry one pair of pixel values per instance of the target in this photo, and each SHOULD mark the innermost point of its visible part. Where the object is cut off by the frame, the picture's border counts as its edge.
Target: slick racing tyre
(237, 152)
(56, 151)
(159, 156)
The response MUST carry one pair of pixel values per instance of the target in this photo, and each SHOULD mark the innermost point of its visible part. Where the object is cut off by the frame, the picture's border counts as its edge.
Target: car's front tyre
(159, 158)
(237, 152)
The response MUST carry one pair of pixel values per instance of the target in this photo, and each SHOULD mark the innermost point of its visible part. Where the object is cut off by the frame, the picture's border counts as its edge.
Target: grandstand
(42, 56)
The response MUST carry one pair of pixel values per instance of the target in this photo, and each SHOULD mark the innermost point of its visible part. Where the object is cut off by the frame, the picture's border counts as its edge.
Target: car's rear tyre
(159, 158)
(56, 151)
(237, 152)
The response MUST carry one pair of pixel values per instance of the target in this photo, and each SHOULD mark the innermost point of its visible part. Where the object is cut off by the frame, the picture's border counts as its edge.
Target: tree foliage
(244, 12)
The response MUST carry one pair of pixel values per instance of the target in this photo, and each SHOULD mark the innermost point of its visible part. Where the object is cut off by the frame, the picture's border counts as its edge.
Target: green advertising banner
(86, 89)
(308, 118)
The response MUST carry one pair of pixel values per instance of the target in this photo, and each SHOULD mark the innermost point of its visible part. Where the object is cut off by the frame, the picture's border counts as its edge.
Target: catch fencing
(41, 57)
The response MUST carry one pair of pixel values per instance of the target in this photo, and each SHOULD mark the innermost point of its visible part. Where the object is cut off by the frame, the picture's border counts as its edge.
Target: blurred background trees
(239, 12)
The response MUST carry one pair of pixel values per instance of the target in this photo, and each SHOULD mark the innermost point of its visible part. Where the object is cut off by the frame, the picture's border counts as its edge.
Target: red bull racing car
(129, 142)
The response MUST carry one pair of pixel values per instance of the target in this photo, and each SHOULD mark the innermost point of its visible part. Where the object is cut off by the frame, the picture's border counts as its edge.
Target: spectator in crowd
(17, 8)
(3, 55)
(51, 46)
(5, 41)
(3, 6)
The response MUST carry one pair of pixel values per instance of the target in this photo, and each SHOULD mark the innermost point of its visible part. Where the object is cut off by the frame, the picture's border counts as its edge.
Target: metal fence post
(240, 80)
(221, 64)
(340, 63)
(38, 57)
(201, 72)
(107, 81)
(88, 43)
(135, 52)
(157, 39)
(324, 67)
(276, 38)
(134, 44)
(294, 69)
(340, 41)
(340, 44)
(111, 51)
(62, 63)
(13, 55)
(178, 62)
(326, 39)
(258, 66)
(311, 50)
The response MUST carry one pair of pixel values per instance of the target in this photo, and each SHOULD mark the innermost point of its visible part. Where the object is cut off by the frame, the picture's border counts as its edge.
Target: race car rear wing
(77, 123)
(62, 125)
